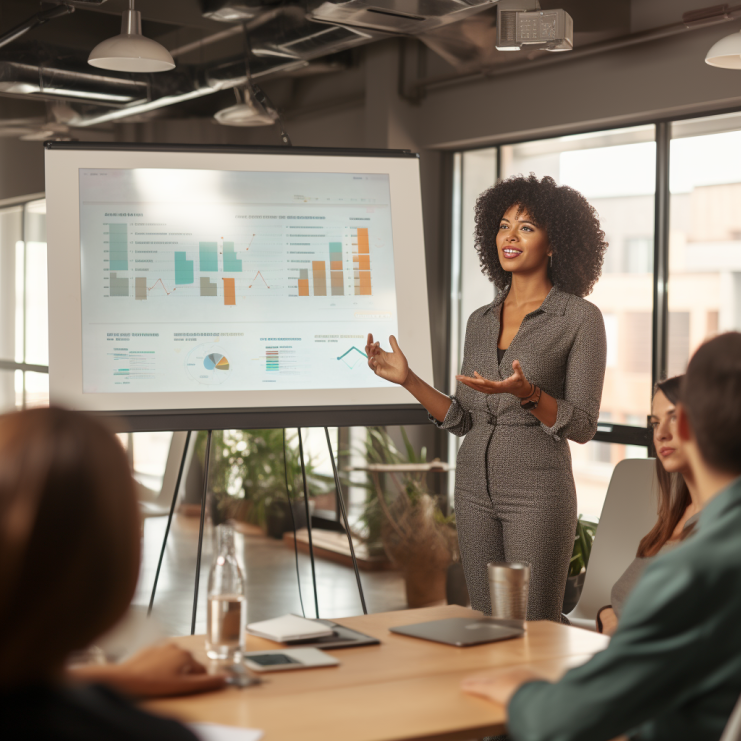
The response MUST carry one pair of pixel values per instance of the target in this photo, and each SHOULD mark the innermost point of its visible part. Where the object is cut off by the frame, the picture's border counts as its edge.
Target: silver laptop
(461, 631)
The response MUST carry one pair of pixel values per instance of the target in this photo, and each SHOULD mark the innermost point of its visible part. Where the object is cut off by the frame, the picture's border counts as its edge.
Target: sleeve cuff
(520, 708)
(453, 417)
(563, 417)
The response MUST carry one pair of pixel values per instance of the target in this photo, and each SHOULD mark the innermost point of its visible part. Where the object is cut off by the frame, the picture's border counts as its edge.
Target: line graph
(262, 278)
(353, 359)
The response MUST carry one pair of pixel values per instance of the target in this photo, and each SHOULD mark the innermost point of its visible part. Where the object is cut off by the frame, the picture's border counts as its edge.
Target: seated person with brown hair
(69, 562)
(672, 671)
(679, 505)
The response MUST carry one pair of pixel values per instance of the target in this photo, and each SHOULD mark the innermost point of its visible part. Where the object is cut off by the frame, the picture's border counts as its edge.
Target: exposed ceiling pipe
(46, 81)
(34, 21)
(690, 22)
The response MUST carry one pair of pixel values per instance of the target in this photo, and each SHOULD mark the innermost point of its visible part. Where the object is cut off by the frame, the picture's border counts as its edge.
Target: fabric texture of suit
(515, 498)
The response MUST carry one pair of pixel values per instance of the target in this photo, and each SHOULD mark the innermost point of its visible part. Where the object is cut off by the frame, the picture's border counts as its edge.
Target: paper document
(214, 732)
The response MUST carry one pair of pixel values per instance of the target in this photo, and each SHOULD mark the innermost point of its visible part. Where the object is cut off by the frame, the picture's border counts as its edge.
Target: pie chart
(215, 361)
(208, 365)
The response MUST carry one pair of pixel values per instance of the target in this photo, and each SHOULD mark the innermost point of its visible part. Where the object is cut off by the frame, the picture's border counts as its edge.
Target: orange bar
(230, 298)
(355, 258)
(363, 243)
(365, 280)
(365, 291)
(364, 262)
(337, 279)
(318, 265)
(303, 287)
(335, 265)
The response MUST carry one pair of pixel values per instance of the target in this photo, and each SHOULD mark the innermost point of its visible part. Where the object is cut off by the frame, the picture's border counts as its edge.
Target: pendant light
(130, 51)
(247, 112)
(726, 53)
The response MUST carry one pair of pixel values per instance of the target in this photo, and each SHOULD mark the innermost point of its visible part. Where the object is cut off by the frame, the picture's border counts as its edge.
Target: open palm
(516, 384)
(391, 366)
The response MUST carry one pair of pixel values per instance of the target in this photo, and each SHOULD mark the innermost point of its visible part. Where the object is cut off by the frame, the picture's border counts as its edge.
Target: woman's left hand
(516, 384)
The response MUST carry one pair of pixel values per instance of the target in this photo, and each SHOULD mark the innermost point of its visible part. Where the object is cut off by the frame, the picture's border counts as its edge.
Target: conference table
(404, 688)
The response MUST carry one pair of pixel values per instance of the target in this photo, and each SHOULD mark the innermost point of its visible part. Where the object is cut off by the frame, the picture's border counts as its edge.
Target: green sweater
(672, 670)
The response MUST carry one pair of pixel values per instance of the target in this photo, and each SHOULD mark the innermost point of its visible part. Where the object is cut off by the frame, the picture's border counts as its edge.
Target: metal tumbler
(509, 584)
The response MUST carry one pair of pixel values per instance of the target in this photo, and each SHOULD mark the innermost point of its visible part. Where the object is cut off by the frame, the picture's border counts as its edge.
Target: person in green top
(672, 671)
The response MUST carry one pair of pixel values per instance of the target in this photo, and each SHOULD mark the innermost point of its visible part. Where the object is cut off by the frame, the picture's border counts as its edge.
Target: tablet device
(286, 659)
(461, 631)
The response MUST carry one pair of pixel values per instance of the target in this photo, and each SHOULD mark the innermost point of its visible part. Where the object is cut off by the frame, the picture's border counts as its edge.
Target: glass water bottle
(227, 602)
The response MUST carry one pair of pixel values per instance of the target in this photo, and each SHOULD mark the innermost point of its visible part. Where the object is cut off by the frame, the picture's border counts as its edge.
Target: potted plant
(407, 520)
(585, 531)
(248, 474)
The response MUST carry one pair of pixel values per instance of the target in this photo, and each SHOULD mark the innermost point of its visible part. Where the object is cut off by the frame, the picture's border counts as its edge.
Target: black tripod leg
(308, 521)
(341, 502)
(200, 532)
(169, 521)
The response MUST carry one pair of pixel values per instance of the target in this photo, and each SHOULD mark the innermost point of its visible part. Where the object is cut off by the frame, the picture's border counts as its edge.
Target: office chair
(629, 512)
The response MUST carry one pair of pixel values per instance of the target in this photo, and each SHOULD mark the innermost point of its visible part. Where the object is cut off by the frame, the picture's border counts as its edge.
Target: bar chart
(184, 274)
(231, 263)
(119, 286)
(209, 259)
(230, 295)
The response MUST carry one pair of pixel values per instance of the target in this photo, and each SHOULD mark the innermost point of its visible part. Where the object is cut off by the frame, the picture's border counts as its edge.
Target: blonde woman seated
(678, 501)
(69, 563)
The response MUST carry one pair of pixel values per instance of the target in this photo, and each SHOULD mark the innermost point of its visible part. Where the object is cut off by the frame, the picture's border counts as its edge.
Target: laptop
(462, 631)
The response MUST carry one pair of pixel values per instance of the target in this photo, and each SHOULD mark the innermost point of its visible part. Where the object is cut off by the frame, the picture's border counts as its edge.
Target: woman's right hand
(391, 366)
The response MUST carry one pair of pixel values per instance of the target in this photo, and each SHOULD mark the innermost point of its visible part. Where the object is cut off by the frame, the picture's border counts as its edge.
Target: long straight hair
(674, 495)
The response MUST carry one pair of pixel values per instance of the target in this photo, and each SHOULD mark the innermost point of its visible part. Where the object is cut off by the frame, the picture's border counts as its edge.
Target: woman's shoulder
(580, 308)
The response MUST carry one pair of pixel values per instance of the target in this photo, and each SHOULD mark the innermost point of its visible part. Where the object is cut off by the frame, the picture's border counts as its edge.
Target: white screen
(214, 281)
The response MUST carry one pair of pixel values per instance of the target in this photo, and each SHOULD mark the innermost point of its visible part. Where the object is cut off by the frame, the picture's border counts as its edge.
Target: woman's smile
(511, 252)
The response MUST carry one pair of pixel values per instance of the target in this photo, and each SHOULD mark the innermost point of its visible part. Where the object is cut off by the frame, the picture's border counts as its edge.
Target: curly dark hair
(572, 226)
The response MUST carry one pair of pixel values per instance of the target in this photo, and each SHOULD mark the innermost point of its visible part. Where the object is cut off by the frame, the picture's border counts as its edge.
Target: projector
(522, 23)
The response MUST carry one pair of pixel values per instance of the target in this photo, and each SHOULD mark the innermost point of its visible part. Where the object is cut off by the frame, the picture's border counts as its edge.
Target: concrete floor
(270, 571)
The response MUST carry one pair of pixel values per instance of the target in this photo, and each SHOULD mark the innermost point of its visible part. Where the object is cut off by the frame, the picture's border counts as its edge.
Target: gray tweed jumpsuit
(515, 498)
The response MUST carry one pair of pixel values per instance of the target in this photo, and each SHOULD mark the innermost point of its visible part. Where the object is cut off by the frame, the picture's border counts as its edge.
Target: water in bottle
(227, 604)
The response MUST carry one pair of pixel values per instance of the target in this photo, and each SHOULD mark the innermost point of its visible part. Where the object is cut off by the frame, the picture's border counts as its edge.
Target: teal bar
(231, 263)
(208, 257)
(183, 270)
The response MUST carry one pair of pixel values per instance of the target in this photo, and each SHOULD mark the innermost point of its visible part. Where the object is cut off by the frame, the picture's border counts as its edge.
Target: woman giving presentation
(532, 375)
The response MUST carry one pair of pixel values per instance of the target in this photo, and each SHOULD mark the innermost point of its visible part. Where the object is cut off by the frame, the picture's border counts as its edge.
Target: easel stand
(203, 517)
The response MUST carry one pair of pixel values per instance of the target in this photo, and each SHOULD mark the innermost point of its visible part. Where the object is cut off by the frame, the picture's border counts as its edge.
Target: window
(704, 285)
(24, 355)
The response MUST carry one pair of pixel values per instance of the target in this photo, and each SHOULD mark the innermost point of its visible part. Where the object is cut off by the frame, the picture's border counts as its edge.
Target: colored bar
(319, 268)
(303, 287)
(207, 287)
(338, 283)
(272, 360)
(208, 256)
(231, 263)
(364, 262)
(183, 270)
(119, 286)
(363, 243)
(140, 289)
(230, 297)
(118, 247)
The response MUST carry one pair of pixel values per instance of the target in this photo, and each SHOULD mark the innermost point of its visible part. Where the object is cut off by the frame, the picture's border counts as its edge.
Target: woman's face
(666, 440)
(522, 246)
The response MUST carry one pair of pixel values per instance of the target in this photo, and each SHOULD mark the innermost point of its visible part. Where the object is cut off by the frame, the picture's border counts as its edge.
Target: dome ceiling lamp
(131, 51)
(726, 53)
(248, 111)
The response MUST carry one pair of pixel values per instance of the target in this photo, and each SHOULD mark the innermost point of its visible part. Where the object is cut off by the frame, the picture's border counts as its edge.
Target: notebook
(289, 628)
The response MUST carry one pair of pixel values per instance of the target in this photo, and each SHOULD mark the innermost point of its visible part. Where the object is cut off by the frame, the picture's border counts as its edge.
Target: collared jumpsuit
(515, 498)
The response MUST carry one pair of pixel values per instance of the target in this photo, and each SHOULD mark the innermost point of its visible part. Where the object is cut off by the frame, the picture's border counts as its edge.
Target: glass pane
(150, 451)
(37, 325)
(10, 234)
(37, 390)
(705, 236)
(593, 466)
(615, 171)
(11, 390)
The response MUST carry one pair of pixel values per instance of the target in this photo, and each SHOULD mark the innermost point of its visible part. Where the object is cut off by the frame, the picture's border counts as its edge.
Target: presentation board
(199, 287)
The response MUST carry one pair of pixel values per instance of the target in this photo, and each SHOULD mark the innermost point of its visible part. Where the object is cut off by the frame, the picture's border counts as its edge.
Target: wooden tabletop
(405, 688)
